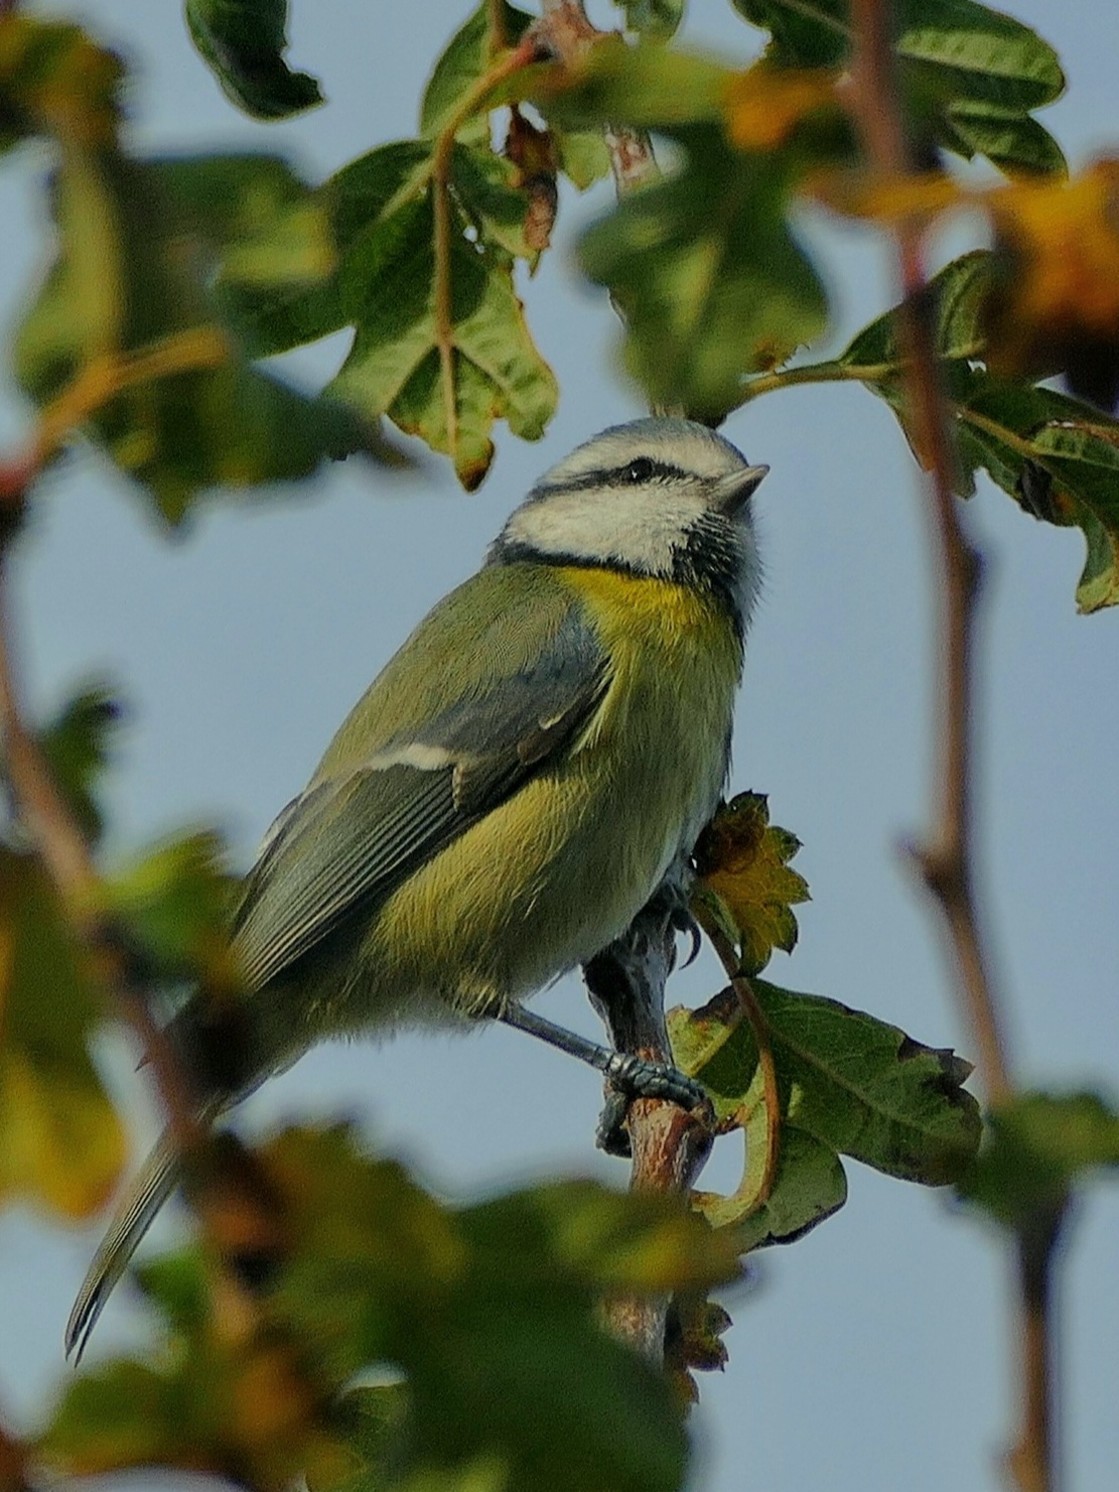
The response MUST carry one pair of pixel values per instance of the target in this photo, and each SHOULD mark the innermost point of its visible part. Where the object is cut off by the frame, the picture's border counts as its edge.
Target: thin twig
(945, 858)
(64, 853)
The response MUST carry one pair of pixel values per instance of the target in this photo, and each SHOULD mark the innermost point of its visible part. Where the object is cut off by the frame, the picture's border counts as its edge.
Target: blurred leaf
(646, 86)
(486, 1319)
(766, 104)
(125, 327)
(55, 80)
(244, 42)
(77, 744)
(709, 294)
(1040, 1146)
(743, 859)
(61, 1142)
(654, 18)
(491, 1312)
(491, 1316)
(373, 1425)
(463, 62)
(1055, 296)
(972, 75)
(236, 1408)
(584, 156)
(175, 904)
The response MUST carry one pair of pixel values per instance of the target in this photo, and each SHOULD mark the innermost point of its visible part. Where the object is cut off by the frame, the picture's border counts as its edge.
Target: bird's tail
(158, 1178)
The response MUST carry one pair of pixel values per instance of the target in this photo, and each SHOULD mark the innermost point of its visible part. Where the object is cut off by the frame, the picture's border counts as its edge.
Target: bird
(514, 786)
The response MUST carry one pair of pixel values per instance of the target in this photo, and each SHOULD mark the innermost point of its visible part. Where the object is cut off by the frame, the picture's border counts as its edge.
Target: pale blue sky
(872, 1354)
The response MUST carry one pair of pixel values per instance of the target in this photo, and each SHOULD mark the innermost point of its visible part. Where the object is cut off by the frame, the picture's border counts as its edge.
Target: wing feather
(350, 840)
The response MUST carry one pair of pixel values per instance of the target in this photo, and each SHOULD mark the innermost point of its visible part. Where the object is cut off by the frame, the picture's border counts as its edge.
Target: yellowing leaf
(61, 1142)
(55, 80)
(743, 860)
(1057, 245)
(765, 104)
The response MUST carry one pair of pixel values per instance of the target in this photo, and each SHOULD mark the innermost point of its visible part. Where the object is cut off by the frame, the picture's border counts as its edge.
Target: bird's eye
(640, 470)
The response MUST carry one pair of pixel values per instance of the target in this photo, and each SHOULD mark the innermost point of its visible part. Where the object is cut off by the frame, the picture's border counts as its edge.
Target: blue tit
(510, 791)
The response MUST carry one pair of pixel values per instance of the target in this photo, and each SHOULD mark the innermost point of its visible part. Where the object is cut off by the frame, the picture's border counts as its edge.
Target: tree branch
(668, 1144)
(945, 857)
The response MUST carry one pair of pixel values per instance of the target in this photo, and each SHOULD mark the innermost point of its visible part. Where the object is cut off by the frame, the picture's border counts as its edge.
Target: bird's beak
(735, 490)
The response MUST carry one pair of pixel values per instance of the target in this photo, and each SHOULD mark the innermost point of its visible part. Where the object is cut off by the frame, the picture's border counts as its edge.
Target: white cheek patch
(633, 526)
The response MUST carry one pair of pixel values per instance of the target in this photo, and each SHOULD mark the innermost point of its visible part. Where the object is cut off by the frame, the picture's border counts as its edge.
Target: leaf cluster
(481, 1323)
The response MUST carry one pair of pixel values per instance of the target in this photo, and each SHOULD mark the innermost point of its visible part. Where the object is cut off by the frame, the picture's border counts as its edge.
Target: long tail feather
(135, 1213)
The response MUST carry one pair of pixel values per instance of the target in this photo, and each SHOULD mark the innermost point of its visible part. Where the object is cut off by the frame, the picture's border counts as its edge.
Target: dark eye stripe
(644, 469)
(648, 470)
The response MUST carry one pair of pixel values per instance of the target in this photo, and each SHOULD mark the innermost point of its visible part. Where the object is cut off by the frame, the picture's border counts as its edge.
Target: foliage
(170, 279)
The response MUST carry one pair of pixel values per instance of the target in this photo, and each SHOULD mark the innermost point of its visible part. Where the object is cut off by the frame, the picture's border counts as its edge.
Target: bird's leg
(637, 1077)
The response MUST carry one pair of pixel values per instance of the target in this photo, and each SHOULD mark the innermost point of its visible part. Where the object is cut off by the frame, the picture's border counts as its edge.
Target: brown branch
(65, 855)
(668, 1144)
(945, 858)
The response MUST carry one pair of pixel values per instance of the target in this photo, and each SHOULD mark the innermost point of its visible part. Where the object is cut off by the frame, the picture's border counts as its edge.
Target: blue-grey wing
(348, 843)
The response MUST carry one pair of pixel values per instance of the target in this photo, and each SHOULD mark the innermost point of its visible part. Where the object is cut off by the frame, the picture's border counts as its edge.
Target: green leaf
(274, 318)
(712, 283)
(852, 1082)
(1058, 458)
(77, 744)
(382, 212)
(244, 42)
(394, 366)
(956, 299)
(175, 903)
(973, 75)
(61, 1142)
(647, 86)
(54, 80)
(1040, 1146)
(809, 1186)
(127, 311)
(373, 1423)
(583, 155)
(460, 66)
(491, 1312)
(653, 18)
(235, 1406)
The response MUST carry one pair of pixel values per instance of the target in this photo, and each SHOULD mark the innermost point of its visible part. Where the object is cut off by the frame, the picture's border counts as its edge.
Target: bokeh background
(873, 1354)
